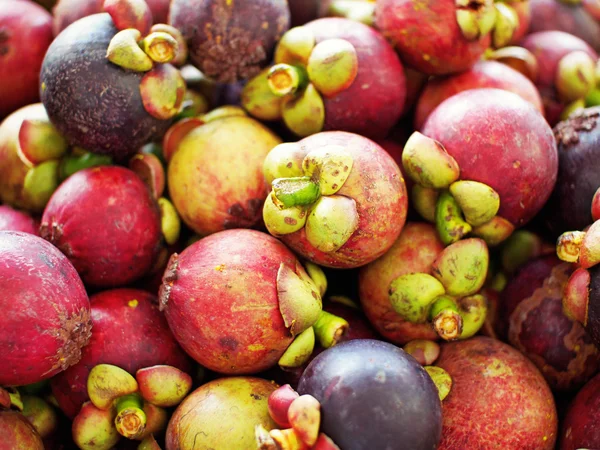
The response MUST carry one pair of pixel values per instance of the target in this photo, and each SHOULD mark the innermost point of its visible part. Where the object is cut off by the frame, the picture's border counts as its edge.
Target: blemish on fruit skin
(220, 268)
(132, 303)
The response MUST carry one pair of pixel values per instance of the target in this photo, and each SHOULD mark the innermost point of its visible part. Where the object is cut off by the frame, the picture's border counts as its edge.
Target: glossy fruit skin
(509, 122)
(16, 433)
(234, 325)
(498, 398)
(120, 218)
(65, 12)
(12, 168)
(414, 251)
(15, 220)
(549, 47)
(373, 103)
(558, 346)
(25, 34)
(361, 385)
(547, 15)
(94, 103)
(580, 426)
(216, 177)
(427, 36)
(484, 74)
(578, 178)
(221, 415)
(377, 186)
(43, 301)
(128, 331)
(228, 40)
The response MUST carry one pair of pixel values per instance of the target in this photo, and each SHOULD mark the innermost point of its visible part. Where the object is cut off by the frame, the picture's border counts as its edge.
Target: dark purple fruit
(578, 143)
(94, 103)
(374, 395)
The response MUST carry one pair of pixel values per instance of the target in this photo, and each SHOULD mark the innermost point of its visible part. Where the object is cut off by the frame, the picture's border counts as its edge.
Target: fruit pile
(299, 224)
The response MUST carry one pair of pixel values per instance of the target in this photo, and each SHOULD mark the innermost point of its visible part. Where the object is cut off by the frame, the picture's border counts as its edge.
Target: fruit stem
(446, 318)
(131, 419)
(329, 329)
(285, 79)
(568, 245)
(296, 191)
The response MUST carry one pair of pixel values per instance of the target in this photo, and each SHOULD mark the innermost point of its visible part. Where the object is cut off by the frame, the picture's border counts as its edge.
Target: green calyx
(475, 18)
(507, 22)
(449, 221)
(304, 72)
(299, 350)
(308, 199)
(413, 294)
(441, 379)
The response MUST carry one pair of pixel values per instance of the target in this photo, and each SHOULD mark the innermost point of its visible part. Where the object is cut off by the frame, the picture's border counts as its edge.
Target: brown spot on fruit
(567, 132)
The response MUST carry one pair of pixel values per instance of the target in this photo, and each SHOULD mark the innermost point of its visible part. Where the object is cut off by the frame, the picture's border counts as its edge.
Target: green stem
(329, 329)
(131, 419)
(296, 191)
(446, 318)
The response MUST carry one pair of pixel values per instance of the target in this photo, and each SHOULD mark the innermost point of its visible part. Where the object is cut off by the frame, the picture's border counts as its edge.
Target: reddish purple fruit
(580, 426)
(65, 12)
(44, 304)
(484, 74)
(427, 34)
(415, 250)
(517, 143)
(574, 17)
(107, 223)
(25, 34)
(15, 220)
(558, 346)
(498, 398)
(225, 298)
(128, 332)
(230, 40)
(17, 433)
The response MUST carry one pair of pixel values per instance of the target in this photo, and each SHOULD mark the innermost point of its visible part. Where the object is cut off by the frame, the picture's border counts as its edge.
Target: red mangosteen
(580, 18)
(230, 41)
(15, 220)
(484, 74)
(498, 398)
(129, 332)
(44, 305)
(25, 34)
(338, 199)
(235, 301)
(65, 12)
(230, 189)
(580, 426)
(330, 74)
(373, 394)
(419, 289)
(414, 251)
(566, 69)
(578, 179)
(538, 327)
(437, 37)
(456, 166)
(111, 90)
(116, 241)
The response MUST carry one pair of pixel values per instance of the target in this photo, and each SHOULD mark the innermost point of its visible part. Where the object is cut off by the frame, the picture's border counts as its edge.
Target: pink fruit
(15, 220)
(128, 332)
(427, 35)
(121, 222)
(223, 300)
(498, 398)
(25, 34)
(484, 74)
(414, 251)
(516, 155)
(44, 304)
